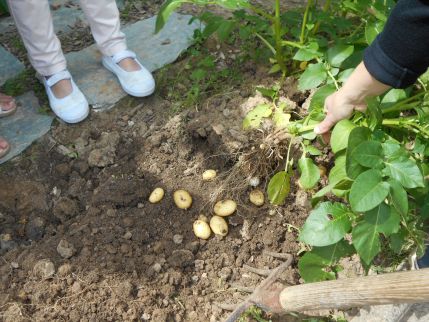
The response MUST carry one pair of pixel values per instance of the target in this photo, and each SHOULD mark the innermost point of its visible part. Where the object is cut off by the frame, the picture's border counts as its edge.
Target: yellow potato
(201, 229)
(182, 199)
(209, 175)
(257, 197)
(225, 207)
(156, 195)
(219, 226)
(322, 170)
(203, 218)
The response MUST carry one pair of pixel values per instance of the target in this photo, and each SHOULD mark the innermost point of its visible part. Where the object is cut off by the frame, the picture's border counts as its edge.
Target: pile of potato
(202, 226)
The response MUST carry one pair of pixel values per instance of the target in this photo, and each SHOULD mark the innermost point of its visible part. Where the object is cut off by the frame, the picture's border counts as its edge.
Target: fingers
(325, 125)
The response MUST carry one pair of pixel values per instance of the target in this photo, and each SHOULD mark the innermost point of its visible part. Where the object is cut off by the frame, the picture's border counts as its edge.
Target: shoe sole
(144, 94)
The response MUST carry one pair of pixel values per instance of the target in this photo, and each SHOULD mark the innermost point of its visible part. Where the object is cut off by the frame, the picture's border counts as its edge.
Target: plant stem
(304, 21)
(324, 9)
(288, 155)
(261, 12)
(400, 105)
(333, 79)
(278, 38)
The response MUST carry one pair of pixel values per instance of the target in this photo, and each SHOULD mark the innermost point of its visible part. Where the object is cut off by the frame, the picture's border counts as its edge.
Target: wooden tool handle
(401, 287)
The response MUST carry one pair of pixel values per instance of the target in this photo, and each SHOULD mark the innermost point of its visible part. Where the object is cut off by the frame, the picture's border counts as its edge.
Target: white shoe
(138, 83)
(72, 108)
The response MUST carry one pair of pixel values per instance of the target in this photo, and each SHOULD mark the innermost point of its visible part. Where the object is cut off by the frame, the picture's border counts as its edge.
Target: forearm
(360, 85)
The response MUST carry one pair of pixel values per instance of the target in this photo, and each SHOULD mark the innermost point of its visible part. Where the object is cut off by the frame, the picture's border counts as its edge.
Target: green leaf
(356, 137)
(405, 171)
(398, 241)
(312, 150)
(366, 240)
(314, 75)
(281, 119)
(274, 69)
(339, 53)
(310, 173)
(344, 75)
(392, 97)
(326, 225)
(278, 188)
(307, 53)
(338, 172)
(369, 154)
(385, 219)
(398, 197)
(372, 29)
(319, 97)
(225, 29)
(340, 135)
(313, 266)
(165, 12)
(374, 113)
(322, 192)
(368, 191)
(254, 118)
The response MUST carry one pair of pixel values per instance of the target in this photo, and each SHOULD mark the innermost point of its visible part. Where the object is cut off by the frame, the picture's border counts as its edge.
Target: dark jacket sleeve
(400, 54)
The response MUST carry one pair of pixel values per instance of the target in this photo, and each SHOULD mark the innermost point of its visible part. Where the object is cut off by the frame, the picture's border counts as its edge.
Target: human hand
(338, 106)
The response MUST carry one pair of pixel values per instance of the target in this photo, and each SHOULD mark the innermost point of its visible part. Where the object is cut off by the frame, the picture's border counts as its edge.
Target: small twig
(244, 289)
(259, 271)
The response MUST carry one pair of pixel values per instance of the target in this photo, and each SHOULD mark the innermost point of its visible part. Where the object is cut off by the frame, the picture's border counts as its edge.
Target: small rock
(14, 265)
(157, 267)
(202, 132)
(64, 270)
(65, 249)
(146, 316)
(76, 287)
(6, 242)
(199, 265)
(177, 239)
(111, 249)
(35, 228)
(225, 273)
(128, 235)
(44, 269)
(155, 140)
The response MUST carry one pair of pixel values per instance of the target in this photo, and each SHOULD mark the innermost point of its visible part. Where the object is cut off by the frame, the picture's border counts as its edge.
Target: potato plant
(377, 197)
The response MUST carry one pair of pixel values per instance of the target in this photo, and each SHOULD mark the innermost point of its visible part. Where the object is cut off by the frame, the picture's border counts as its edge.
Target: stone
(177, 239)
(157, 267)
(35, 228)
(64, 270)
(44, 269)
(65, 249)
(10, 66)
(105, 152)
(25, 125)
(65, 209)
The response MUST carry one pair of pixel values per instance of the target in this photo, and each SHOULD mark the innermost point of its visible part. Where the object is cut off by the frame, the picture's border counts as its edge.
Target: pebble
(128, 235)
(177, 239)
(65, 249)
(35, 228)
(157, 267)
(76, 287)
(64, 270)
(44, 269)
(14, 265)
(146, 316)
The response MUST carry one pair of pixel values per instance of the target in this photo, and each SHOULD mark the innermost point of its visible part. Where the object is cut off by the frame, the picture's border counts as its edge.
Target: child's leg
(34, 22)
(103, 17)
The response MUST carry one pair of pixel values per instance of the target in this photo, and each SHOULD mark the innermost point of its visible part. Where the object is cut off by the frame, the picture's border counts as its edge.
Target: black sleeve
(400, 54)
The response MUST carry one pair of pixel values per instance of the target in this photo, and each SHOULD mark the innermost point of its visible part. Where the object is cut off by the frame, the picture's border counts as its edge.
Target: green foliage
(279, 187)
(3, 7)
(310, 173)
(254, 118)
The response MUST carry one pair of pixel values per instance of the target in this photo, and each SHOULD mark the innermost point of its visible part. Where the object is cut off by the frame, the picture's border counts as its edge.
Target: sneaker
(138, 83)
(74, 107)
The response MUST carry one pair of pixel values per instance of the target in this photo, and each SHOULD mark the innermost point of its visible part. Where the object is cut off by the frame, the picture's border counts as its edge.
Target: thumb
(325, 125)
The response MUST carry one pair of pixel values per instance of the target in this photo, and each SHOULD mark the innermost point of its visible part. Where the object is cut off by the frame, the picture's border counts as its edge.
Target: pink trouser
(34, 22)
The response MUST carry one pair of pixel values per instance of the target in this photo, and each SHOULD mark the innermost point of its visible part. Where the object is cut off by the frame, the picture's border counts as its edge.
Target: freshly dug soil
(81, 242)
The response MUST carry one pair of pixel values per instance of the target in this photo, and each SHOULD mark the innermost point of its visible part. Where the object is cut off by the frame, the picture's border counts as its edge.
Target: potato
(182, 199)
(201, 229)
(225, 207)
(156, 195)
(322, 170)
(257, 197)
(209, 175)
(219, 226)
(203, 218)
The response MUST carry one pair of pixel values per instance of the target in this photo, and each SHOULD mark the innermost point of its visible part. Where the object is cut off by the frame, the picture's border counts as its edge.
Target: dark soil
(78, 199)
